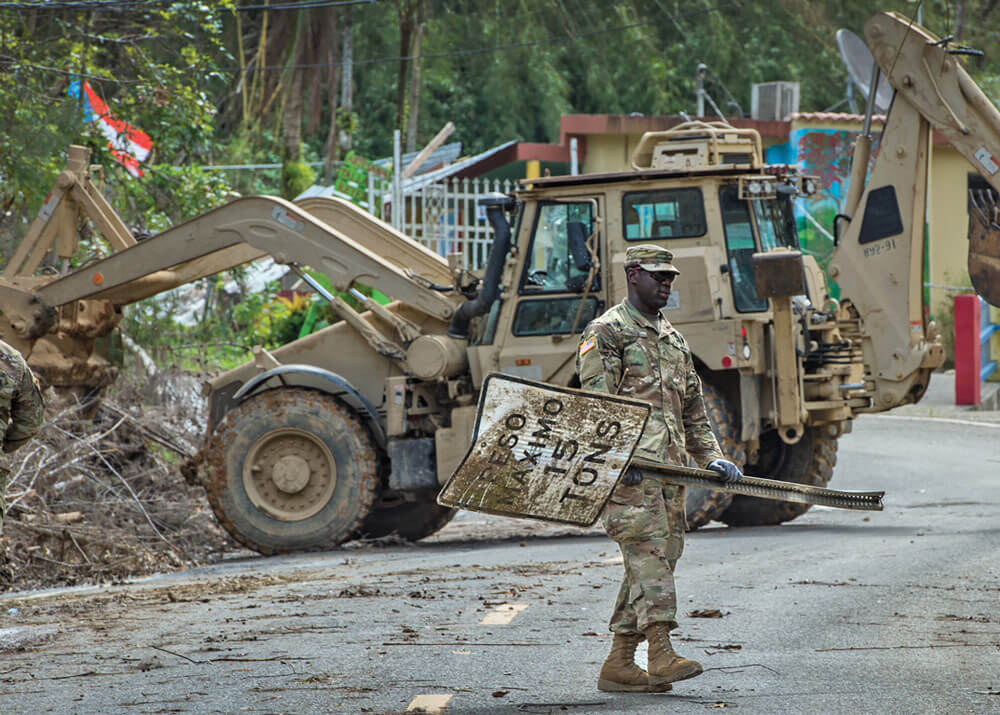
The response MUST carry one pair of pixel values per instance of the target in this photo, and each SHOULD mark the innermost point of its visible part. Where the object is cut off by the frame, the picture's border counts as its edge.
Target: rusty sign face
(545, 452)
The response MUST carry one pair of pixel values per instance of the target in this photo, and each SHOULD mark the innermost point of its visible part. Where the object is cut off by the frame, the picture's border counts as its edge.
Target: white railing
(445, 216)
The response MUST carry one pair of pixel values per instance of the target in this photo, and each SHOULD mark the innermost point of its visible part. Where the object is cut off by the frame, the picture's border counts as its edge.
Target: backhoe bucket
(984, 244)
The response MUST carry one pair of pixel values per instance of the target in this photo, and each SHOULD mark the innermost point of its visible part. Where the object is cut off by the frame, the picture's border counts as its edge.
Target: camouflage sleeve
(599, 359)
(700, 440)
(26, 412)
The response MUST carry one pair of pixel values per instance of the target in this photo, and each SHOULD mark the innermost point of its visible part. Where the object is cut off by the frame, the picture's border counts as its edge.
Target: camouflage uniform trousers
(647, 521)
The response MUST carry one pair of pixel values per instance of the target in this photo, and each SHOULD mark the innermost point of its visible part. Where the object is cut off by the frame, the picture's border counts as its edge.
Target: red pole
(967, 350)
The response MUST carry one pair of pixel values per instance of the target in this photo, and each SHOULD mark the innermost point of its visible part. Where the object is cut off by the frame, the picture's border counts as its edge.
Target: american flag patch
(587, 345)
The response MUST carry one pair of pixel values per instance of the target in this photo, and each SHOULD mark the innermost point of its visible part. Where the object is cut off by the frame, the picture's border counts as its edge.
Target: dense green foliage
(225, 83)
(211, 84)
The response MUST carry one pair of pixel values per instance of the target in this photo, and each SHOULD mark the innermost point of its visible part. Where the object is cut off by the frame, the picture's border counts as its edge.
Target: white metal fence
(445, 216)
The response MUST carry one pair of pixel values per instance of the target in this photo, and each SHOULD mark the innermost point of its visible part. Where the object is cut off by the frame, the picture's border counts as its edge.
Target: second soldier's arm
(26, 412)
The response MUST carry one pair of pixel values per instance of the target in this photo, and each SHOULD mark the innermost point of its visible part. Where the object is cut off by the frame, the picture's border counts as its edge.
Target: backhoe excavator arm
(878, 261)
(239, 231)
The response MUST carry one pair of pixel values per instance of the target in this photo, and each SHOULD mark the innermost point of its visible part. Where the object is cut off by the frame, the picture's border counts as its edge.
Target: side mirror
(576, 234)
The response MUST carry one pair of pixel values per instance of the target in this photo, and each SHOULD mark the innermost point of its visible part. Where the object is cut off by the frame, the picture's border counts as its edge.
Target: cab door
(559, 290)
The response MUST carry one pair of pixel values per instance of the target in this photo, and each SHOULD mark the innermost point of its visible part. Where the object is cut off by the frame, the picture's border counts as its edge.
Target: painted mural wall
(826, 153)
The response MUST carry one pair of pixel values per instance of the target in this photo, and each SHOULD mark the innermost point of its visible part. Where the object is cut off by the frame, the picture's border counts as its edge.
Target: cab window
(663, 213)
(740, 247)
(555, 316)
(551, 266)
(776, 223)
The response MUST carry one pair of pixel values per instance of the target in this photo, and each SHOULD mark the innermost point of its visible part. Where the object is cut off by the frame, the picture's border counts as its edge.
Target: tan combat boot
(665, 666)
(620, 674)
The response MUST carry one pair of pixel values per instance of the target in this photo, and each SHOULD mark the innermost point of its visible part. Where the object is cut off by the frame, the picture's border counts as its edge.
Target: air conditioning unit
(774, 100)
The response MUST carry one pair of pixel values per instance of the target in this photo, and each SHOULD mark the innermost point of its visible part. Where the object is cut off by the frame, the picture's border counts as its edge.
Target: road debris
(705, 613)
(95, 498)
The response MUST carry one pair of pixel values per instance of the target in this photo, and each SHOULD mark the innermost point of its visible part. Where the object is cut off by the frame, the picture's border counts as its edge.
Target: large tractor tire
(291, 469)
(409, 520)
(808, 461)
(704, 505)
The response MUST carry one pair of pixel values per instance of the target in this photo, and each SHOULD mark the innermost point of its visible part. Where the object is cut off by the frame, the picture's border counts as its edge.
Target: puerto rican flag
(129, 146)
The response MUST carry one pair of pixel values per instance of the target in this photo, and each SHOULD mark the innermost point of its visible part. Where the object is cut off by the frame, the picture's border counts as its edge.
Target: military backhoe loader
(351, 431)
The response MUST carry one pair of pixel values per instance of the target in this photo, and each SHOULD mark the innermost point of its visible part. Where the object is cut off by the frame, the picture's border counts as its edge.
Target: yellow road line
(429, 703)
(502, 614)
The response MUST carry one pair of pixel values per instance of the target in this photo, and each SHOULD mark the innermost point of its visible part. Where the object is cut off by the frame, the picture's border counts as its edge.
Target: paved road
(836, 612)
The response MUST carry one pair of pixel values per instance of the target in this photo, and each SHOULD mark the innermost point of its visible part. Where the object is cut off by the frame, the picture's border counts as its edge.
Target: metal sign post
(555, 454)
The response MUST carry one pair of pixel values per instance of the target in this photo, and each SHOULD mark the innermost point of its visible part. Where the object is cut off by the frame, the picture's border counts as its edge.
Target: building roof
(583, 124)
(468, 167)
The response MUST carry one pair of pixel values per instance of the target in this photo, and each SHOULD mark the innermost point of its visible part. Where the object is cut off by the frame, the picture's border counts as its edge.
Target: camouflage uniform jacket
(623, 352)
(20, 401)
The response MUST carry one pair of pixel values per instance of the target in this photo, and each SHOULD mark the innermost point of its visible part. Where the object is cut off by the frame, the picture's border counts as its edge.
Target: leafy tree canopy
(231, 82)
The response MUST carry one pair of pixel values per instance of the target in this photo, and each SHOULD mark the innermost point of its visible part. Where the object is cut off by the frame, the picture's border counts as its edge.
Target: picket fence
(444, 216)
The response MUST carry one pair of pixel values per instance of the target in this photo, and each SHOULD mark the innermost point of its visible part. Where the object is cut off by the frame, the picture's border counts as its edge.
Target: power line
(83, 4)
(305, 5)
(52, 5)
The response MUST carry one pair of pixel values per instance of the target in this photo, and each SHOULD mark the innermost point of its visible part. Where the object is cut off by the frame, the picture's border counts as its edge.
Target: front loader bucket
(984, 244)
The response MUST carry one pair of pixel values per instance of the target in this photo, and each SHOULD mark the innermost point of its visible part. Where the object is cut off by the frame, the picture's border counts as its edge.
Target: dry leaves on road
(705, 613)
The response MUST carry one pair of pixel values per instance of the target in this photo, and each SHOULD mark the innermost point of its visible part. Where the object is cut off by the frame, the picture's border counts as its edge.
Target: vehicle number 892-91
(877, 249)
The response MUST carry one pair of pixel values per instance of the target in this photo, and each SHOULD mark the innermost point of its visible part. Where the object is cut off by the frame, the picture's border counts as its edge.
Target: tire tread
(276, 401)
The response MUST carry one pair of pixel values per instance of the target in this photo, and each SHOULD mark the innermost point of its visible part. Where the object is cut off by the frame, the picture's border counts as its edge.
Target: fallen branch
(148, 364)
(149, 432)
(727, 668)
(128, 486)
(179, 655)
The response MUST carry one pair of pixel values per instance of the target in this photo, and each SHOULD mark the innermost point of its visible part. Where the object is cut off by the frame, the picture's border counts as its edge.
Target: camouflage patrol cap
(650, 258)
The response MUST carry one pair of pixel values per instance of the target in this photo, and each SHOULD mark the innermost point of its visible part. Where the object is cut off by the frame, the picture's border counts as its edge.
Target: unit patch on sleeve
(587, 345)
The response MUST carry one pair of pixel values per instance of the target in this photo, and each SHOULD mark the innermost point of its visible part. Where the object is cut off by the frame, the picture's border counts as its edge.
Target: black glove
(632, 477)
(729, 471)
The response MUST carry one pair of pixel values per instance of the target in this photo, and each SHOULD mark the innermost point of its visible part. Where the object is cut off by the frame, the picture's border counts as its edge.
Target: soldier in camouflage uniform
(634, 351)
(20, 413)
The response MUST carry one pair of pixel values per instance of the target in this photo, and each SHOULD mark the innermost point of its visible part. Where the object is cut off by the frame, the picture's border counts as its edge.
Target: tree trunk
(291, 120)
(413, 103)
(322, 25)
(406, 27)
(338, 75)
(959, 19)
(345, 136)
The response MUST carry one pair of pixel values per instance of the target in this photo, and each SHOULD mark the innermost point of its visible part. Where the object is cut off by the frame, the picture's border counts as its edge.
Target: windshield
(740, 248)
(776, 223)
(549, 267)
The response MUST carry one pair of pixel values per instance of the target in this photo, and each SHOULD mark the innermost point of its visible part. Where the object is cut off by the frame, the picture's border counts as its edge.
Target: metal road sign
(545, 452)
(555, 454)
